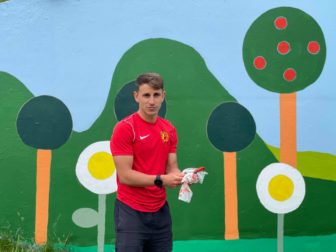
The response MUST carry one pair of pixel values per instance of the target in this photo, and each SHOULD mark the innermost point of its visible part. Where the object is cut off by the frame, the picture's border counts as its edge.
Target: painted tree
(44, 123)
(231, 128)
(284, 51)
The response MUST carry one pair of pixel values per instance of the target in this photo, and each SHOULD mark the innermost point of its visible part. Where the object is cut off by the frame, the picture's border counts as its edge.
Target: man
(143, 146)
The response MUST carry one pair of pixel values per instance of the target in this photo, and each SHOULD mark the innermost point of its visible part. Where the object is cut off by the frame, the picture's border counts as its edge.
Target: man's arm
(172, 166)
(173, 176)
(130, 177)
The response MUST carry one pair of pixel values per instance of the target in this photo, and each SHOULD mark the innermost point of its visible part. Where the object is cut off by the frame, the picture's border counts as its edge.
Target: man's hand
(172, 180)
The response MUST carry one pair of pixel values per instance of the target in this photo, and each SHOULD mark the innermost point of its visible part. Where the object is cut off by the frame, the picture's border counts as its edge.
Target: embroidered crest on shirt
(164, 136)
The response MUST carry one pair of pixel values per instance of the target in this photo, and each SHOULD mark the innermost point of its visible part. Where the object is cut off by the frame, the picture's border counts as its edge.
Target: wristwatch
(158, 181)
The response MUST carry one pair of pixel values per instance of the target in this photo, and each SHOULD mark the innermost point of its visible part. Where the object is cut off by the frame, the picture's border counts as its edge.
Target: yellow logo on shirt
(164, 136)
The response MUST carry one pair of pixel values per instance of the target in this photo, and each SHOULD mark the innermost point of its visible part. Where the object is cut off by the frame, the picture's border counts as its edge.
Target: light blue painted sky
(69, 49)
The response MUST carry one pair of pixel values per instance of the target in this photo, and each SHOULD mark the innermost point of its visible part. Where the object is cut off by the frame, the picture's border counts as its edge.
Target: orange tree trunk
(42, 195)
(230, 196)
(288, 129)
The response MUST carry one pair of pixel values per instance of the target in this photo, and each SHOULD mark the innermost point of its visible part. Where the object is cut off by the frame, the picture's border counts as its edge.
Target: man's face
(149, 100)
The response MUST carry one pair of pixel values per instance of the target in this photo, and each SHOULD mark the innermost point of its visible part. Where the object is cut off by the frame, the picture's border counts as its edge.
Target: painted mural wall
(250, 89)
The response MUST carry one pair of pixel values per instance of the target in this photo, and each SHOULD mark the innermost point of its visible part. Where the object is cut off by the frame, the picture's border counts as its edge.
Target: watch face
(158, 181)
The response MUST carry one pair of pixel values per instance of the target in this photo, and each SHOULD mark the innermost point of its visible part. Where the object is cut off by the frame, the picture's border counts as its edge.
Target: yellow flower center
(101, 165)
(281, 187)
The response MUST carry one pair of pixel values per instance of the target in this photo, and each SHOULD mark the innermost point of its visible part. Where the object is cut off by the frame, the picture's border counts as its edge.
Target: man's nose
(151, 99)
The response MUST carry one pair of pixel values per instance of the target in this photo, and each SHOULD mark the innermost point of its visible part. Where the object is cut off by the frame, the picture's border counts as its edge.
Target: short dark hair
(154, 80)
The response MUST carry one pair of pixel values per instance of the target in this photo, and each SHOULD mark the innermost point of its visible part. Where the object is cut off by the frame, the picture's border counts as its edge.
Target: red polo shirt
(149, 144)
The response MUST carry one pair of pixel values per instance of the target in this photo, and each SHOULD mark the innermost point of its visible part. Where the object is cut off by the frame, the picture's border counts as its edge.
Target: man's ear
(135, 95)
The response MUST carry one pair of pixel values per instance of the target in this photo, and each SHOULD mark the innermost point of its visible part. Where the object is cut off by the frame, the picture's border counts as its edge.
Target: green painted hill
(313, 164)
(192, 94)
(17, 180)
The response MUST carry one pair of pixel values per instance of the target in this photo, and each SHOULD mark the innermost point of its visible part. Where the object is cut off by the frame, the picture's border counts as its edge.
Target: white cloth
(191, 176)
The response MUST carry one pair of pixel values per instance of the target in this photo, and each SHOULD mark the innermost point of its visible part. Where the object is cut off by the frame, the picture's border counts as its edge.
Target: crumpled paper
(191, 176)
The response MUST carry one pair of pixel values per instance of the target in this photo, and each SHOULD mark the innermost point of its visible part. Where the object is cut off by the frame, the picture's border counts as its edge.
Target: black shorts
(141, 231)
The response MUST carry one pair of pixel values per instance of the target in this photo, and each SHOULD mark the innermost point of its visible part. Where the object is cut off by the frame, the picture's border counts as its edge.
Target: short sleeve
(122, 139)
(173, 141)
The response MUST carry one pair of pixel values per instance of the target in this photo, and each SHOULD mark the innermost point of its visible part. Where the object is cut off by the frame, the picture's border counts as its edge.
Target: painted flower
(95, 168)
(280, 188)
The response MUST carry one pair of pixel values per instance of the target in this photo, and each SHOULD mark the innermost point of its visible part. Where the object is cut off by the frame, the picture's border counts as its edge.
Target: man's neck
(150, 119)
